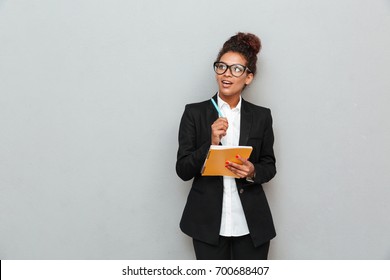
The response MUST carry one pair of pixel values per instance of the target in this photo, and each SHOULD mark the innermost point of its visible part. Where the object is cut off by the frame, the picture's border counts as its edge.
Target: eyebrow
(232, 63)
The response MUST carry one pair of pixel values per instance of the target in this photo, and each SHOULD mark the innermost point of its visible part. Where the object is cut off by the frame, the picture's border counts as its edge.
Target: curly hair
(246, 44)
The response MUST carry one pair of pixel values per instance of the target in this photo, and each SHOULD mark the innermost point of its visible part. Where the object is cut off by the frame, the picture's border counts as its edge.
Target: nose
(228, 72)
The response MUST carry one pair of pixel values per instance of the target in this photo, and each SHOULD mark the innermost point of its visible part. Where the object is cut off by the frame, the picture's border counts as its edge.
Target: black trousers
(231, 248)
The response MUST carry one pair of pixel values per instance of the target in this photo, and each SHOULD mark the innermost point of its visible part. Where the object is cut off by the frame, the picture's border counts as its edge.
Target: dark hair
(246, 44)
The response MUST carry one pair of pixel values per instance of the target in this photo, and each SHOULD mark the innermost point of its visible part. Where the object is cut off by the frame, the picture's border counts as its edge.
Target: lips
(226, 83)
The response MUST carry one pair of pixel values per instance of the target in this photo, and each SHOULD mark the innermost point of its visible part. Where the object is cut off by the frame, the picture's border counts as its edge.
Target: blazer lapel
(246, 123)
(212, 113)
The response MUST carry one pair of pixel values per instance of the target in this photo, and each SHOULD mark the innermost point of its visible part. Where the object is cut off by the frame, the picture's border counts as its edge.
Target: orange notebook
(215, 162)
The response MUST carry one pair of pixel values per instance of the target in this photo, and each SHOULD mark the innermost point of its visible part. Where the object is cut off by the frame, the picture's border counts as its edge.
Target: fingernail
(226, 162)
(236, 156)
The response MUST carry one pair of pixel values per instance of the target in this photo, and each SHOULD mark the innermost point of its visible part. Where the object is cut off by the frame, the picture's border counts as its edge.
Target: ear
(249, 79)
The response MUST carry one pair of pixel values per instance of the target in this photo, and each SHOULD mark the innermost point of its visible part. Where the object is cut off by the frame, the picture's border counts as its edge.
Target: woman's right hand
(218, 130)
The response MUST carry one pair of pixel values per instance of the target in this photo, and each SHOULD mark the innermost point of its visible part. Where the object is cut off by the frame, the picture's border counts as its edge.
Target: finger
(237, 172)
(220, 125)
(243, 160)
(233, 170)
(240, 168)
(222, 121)
(225, 120)
(218, 131)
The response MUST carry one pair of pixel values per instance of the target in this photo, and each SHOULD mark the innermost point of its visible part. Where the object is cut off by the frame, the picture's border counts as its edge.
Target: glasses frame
(230, 68)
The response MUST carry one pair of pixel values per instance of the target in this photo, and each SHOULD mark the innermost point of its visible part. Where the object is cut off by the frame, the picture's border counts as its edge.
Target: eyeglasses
(237, 70)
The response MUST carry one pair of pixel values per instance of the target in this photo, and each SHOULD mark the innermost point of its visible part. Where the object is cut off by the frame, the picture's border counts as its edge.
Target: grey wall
(91, 95)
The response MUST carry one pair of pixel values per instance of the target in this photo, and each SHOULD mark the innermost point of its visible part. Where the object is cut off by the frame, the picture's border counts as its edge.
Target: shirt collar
(222, 104)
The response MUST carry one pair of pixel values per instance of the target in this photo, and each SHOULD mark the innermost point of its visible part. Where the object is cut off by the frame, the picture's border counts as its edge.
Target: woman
(228, 218)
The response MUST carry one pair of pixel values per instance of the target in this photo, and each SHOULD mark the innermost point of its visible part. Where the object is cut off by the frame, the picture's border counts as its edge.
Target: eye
(237, 68)
(221, 66)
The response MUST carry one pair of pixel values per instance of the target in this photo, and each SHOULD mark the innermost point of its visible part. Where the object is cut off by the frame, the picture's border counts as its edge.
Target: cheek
(248, 80)
(241, 82)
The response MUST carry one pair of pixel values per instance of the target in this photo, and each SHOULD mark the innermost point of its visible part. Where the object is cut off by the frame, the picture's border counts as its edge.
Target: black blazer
(201, 217)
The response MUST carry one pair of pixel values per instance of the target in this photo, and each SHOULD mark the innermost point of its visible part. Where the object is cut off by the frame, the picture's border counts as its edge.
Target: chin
(228, 93)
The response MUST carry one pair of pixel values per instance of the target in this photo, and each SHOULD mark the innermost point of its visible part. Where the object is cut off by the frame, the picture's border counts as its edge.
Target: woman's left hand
(244, 170)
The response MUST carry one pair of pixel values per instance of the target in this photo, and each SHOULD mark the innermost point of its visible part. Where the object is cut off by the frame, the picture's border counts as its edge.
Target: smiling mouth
(226, 82)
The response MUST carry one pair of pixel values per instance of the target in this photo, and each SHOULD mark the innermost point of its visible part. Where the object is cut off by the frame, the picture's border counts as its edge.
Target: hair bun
(251, 40)
(246, 44)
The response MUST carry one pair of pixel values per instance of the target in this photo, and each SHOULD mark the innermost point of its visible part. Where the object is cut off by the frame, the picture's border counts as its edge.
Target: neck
(231, 100)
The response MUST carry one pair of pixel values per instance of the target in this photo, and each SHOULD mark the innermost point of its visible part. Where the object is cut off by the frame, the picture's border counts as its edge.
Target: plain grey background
(91, 96)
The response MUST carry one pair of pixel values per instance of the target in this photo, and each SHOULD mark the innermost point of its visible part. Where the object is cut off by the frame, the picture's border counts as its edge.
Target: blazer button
(241, 190)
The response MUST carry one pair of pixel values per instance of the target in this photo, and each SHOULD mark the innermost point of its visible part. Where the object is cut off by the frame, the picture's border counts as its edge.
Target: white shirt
(233, 222)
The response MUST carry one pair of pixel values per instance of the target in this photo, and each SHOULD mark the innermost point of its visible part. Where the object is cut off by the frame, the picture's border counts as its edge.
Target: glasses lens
(237, 70)
(220, 68)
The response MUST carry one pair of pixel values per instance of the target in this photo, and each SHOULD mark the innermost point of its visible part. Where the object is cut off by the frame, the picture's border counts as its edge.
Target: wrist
(251, 177)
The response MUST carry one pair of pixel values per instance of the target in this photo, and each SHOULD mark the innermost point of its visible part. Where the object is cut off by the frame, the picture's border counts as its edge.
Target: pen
(216, 107)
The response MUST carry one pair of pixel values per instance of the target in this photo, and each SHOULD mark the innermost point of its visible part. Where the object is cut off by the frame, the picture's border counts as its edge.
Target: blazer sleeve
(191, 154)
(265, 165)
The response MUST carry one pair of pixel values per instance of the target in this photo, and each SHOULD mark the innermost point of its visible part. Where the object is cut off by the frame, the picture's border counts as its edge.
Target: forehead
(233, 58)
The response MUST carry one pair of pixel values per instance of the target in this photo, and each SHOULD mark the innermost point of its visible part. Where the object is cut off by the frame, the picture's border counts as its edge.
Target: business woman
(228, 218)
